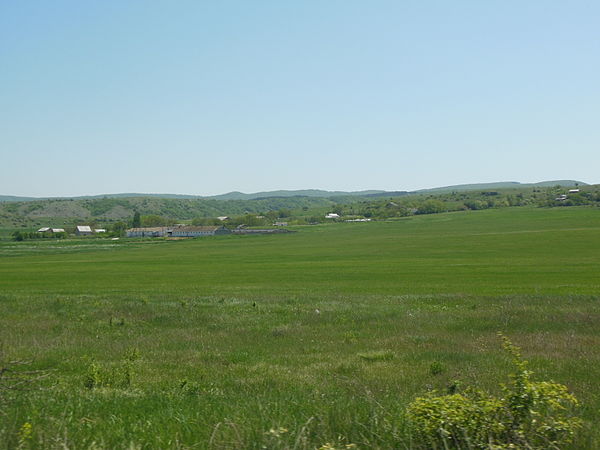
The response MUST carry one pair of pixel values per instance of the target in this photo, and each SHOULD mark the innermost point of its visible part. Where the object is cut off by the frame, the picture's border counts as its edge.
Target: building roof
(58, 230)
(84, 228)
(192, 228)
(43, 229)
(147, 229)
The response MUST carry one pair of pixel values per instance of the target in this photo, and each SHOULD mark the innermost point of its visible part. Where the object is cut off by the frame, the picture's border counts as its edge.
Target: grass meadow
(295, 340)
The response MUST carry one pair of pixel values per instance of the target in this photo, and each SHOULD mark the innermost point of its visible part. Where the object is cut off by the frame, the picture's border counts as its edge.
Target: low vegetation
(533, 415)
(349, 335)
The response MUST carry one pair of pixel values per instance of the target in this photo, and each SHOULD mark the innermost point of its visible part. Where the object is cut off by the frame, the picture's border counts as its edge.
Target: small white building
(83, 230)
(332, 216)
(573, 191)
(51, 230)
(99, 230)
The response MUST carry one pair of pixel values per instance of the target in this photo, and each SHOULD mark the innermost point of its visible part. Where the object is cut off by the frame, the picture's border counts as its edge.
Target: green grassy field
(327, 333)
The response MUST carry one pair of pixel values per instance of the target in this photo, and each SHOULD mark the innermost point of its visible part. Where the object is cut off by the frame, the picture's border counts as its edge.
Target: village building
(83, 230)
(51, 230)
(148, 232)
(332, 216)
(190, 231)
(177, 231)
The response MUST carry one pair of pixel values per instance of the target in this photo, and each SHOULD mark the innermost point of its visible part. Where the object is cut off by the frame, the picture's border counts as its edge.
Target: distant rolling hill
(314, 193)
(297, 193)
(235, 195)
(502, 185)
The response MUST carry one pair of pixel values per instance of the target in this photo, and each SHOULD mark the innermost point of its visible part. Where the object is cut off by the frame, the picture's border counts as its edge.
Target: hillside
(301, 209)
(503, 185)
(235, 195)
(317, 193)
(59, 211)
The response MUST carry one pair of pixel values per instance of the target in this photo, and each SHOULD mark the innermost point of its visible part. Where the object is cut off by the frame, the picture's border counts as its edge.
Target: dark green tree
(137, 220)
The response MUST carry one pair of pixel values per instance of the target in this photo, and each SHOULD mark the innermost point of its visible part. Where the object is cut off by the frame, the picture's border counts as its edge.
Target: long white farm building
(178, 231)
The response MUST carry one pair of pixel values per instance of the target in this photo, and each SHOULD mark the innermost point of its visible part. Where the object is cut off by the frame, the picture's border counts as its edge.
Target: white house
(83, 230)
(332, 216)
(51, 230)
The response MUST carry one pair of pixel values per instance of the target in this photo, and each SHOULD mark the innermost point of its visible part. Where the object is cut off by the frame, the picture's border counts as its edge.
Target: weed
(189, 388)
(118, 376)
(530, 414)
(25, 434)
(382, 355)
(436, 368)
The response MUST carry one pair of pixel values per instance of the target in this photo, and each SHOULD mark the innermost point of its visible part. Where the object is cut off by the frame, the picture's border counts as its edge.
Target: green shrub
(382, 355)
(436, 368)
(535, 415)
(117, 376)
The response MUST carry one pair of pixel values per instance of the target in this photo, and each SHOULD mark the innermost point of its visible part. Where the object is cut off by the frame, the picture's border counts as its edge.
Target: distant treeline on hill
(294, 209)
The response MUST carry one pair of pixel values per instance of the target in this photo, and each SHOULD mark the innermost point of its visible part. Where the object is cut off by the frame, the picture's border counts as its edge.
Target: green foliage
(115, 376)
(436, 368)
(28, 235)
(137, 220)
(431, 207)
(118, 228)
(154, 220)
(235, 315)
(476, 204)
(535, 415)
(206, 221)
(382, 355)
(295, 209)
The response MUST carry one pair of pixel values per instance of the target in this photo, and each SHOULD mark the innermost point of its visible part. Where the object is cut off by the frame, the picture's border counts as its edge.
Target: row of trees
(23, 235)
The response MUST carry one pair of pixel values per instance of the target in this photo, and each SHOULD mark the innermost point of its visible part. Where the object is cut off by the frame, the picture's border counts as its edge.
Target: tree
(119, 228)
(153, 220)
(137, 220)
(431, 207)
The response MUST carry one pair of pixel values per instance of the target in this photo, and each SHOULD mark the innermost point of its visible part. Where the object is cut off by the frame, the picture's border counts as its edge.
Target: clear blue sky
(206, 97)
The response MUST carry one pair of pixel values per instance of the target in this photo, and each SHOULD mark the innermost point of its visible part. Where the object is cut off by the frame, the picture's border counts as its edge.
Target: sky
(206, 97)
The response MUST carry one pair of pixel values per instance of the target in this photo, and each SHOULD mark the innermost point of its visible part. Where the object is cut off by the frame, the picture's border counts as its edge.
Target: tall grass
(321, 337)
